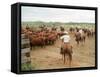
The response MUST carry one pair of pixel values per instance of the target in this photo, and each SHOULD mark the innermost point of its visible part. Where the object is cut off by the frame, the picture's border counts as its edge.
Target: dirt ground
(49, 57)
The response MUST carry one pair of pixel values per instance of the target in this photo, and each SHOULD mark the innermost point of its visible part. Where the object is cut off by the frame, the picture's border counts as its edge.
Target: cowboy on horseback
(80, 36)
(66, 48)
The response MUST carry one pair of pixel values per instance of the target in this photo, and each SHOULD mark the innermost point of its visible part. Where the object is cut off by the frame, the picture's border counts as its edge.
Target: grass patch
(27, 66)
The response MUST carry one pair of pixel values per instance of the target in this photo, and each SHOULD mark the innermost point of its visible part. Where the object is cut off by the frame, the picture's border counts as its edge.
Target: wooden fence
(25, 53)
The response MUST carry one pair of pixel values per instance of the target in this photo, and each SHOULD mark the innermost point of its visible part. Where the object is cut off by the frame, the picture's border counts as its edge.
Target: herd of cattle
(48, 36)
(81, 36)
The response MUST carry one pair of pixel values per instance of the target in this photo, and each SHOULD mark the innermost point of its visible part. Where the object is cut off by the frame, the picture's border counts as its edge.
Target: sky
(29, 13)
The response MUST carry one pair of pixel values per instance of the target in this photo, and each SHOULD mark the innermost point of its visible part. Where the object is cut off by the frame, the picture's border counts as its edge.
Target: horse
(79, 37)
(66, 51)
(90, 33)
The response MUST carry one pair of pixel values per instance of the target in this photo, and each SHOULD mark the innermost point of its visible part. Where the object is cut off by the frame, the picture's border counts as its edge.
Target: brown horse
(80, 38)
(66, 51)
